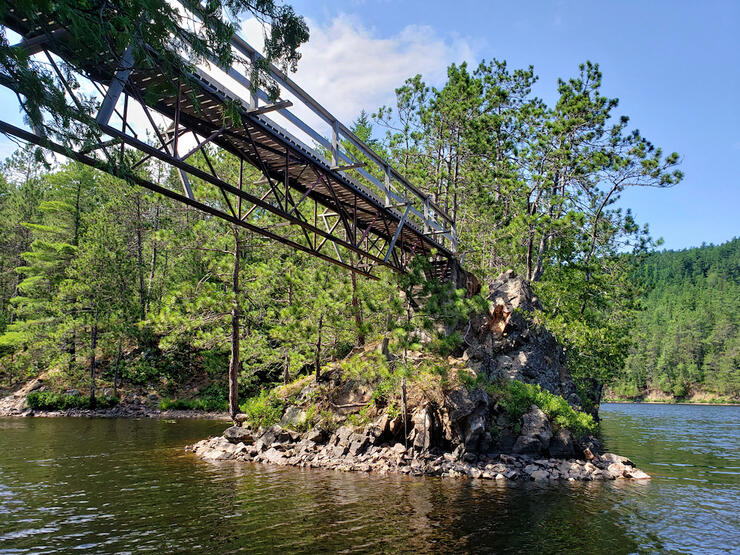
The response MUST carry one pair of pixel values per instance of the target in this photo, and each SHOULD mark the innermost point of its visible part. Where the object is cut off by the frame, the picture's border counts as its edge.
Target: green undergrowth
(516, 397)
(48, 400)
(206, 405)
(213, 398)
(264, 409)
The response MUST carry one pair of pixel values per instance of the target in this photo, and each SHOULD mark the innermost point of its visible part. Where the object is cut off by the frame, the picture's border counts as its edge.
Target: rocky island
(506, 408)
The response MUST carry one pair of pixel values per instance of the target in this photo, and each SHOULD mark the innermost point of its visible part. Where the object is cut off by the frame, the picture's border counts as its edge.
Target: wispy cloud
(348, 67)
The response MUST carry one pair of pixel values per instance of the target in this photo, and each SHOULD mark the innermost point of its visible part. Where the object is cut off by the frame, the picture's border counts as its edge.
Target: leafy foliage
(264, 409)
(516, 398)
(93, 271)
(533, 188)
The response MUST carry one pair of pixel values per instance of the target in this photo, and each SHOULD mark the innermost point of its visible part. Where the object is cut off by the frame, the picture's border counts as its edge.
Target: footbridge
(334, 196)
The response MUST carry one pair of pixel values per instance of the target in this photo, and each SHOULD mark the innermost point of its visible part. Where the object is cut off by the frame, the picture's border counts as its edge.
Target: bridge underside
(317, 202)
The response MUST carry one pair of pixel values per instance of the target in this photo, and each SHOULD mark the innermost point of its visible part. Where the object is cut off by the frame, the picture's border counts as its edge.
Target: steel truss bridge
(339, 192)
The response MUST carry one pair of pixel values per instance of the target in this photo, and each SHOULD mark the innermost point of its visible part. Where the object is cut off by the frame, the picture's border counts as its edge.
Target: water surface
(71, 484)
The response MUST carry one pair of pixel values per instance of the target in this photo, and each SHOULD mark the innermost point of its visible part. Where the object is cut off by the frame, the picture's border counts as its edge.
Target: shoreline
(695, 403)
(142, 411)
(124, 412)
(351, 450)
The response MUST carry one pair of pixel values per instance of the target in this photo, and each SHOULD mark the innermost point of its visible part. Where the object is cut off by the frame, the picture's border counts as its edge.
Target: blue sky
(675, 67)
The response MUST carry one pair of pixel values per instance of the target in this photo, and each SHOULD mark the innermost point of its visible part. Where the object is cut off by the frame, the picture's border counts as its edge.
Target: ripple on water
(129, 486)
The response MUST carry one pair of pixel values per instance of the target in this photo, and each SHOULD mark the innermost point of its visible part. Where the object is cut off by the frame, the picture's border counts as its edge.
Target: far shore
(699, 403)
(120, 411)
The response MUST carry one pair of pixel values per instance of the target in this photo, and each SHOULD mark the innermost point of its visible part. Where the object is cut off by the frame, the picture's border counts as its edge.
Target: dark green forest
(686, 339)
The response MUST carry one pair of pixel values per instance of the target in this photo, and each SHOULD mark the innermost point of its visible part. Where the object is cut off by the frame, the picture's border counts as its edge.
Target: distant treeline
(687, 338)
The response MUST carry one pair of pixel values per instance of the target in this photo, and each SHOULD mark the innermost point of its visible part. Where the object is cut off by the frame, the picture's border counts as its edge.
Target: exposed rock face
(562, 445)
(504, 343)
(237, 434)
(536, 433)
(293, 417)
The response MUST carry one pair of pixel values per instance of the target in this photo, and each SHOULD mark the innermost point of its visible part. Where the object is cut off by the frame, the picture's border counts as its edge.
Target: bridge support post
(397, 234)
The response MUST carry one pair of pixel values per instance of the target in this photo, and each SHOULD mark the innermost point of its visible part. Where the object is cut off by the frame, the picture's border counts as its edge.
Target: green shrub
(366, 369)
(386, 389)
(360, 418)
(264, 409)
(516, 398)
(215, 363)
(446, 345)
(393, 411)
(140, 372)
(48, 400)
(310, 420)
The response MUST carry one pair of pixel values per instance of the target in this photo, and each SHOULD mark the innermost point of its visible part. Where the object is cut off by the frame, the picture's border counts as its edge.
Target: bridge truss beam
(315, 201)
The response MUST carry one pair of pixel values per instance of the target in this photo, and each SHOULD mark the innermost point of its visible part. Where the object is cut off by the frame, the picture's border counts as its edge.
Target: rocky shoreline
(347, 450)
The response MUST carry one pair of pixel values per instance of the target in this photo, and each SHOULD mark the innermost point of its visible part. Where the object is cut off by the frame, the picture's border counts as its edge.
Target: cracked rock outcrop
(506, 343)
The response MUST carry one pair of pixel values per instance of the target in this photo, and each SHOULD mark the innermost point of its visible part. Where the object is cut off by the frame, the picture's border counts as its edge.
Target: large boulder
(562, 445)
(475, 429)
(536, 433)
(237, 434)
(423, 421)
(464, 417)
(293, 417)
(358, 444)
(461, 402)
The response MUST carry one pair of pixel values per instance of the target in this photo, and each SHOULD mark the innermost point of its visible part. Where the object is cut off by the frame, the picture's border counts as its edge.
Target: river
(97, 485)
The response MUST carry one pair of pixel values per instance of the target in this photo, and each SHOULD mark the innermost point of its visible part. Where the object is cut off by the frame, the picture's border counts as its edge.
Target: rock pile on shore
(362, 451)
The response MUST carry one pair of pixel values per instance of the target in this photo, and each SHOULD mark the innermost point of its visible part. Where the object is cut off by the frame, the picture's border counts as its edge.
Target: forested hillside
(102, 282)
(687, 338)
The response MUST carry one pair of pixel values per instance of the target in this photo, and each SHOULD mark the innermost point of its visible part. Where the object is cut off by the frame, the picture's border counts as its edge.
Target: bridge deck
(292, 171)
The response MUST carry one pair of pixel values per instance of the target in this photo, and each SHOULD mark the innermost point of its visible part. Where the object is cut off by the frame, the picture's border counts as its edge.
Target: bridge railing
(365, 168)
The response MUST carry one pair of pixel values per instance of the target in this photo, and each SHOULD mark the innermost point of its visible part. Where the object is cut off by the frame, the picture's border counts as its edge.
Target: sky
(674, 66)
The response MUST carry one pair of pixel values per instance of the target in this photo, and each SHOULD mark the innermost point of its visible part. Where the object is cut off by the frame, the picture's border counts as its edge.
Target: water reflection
(116, 485)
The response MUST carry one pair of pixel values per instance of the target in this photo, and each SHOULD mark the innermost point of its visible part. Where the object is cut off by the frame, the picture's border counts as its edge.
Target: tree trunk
(539, 264)
(592, 245)
(403, 412)
(530, 242)
(286, 369)
(117, 366)
(388, 324)
(71, 350)
(357, 310)
(93, 345)
(317, 362)
(153, 265)
(234, 358)
(140, 260)
(76, 237)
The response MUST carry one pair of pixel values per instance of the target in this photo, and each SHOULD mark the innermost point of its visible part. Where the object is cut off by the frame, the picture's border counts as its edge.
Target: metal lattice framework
(355, 202)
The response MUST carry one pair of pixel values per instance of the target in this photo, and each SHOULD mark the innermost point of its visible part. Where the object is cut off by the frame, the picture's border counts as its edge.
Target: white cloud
(347, 67)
